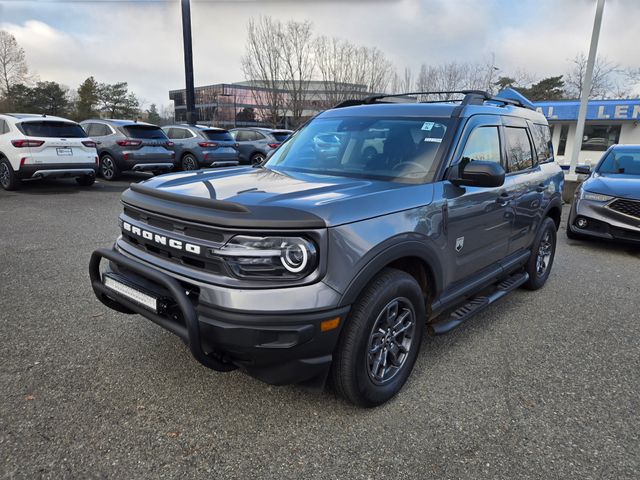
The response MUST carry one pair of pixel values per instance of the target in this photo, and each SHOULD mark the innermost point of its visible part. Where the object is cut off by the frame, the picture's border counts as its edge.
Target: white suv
(40, 146)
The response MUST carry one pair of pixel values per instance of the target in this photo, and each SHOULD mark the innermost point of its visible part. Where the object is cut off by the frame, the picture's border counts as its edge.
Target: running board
(477, 304)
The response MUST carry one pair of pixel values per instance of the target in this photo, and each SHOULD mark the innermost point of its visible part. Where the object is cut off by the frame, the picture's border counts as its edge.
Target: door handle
(541, 187)
(504, 198)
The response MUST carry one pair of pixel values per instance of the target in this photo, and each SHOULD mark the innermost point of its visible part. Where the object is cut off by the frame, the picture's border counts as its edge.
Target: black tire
(189, 162)
(109, 168)
(86, 180)
(257, 158)
(8, 178)
(542, 254)
(355, 368)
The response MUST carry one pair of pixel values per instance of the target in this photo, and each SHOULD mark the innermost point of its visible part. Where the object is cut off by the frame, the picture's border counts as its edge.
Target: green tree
(505, 82)
(153, 116)
(551, 88)
(88, 99)
(116, 100)
(20, 99)
(50, 98)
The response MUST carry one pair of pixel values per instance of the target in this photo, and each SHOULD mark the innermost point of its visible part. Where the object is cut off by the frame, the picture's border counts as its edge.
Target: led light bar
(131, 293)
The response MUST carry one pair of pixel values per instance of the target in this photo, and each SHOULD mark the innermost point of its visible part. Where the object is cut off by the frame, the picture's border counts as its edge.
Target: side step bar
(477, 304)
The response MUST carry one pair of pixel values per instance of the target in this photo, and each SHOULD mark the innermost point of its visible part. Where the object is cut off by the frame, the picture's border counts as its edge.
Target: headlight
(287, 258)
(596, 197)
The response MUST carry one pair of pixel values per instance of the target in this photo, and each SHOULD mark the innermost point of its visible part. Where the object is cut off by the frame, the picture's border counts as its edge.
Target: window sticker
(427, 126)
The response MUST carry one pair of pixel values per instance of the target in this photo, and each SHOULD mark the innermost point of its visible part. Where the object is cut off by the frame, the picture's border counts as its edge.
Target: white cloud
(142, 43)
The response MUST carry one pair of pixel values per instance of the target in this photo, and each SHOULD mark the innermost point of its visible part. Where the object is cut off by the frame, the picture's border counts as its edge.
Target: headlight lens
(287, 258)
(596, 197)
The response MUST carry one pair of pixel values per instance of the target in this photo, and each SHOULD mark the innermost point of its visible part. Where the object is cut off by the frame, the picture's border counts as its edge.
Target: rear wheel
(86, 180)
(189, 162)
(543, 252)
(8, 178)
(257, 158)
(381, 339)
(108, 168)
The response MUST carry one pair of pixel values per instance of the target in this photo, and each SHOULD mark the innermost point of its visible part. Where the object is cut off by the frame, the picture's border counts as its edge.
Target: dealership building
(608, 122)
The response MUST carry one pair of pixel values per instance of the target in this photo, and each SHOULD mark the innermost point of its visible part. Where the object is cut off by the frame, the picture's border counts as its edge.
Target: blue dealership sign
(596, 109)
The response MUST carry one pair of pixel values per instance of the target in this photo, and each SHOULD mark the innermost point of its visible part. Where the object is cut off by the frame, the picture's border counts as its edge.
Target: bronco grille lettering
(161, 239)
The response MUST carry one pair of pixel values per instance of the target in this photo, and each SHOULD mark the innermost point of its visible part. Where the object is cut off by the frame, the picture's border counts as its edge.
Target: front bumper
(56, 170)
(275, 348)
(603, 222)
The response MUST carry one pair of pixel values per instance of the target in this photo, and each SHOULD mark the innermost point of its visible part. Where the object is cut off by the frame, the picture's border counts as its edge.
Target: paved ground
(542, 385)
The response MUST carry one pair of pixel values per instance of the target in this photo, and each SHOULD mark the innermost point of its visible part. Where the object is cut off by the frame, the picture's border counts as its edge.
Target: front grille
(628, 207)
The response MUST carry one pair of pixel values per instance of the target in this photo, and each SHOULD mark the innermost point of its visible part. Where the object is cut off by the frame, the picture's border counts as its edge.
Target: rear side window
(52, 129)
(281, 136)
(483, 144)
(220, 135)
(519, 154)
(146, 132)
(542, 141)
(242, 136)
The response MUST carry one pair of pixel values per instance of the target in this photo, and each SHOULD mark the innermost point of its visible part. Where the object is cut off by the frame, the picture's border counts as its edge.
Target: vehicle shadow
(68, 186)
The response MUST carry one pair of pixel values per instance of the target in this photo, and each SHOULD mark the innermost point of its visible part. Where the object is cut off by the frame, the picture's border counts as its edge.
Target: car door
(524, 183)
(478, 222)
(180, 137)
(245, 147)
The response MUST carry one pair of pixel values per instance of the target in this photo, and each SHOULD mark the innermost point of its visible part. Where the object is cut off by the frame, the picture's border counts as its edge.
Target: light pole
(586, 88)
(188, 63)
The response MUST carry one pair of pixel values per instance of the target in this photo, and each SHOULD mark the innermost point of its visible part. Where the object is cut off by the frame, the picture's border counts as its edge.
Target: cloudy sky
(140, 41)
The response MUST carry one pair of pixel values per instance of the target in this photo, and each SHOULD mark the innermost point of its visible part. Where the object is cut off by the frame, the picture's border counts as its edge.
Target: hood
(616, 185)
(258, 197)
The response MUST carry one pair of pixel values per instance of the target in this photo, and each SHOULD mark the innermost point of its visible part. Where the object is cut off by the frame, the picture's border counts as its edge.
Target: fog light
(581, 223)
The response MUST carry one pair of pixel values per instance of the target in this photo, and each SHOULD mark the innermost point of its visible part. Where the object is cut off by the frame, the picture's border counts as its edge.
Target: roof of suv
(33, 116)
(197, 127)
(119, 123)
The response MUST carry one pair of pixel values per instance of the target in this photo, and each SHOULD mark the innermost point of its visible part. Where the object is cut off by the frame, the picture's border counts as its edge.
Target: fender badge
(459, 243)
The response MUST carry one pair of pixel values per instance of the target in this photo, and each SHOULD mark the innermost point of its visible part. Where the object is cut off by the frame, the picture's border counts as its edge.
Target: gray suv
(199, 146)
(127, 145)
(256, 143)
(331, 261)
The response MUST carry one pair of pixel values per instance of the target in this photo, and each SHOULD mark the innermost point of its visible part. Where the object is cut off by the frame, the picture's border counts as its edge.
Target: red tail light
(27, 143)
(274, 145)
(90, 144)
(97, 161)
(22, 161)
(129, 143)
(208, 144)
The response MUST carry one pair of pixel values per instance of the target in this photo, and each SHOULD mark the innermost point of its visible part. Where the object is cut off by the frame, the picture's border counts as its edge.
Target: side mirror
(583, 169)
(480, 173)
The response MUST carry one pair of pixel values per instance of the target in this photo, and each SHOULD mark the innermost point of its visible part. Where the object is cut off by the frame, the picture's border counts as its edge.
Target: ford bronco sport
(329, 260)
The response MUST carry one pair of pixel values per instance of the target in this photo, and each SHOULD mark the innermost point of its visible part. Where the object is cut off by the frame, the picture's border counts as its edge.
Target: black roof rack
(471, 97)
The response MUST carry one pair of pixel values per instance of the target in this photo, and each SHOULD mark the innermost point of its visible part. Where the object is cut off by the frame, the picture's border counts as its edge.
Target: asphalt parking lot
(542, 385)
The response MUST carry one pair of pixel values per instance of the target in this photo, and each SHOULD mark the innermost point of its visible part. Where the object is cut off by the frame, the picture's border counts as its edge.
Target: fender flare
(555, 202)
(388, 252)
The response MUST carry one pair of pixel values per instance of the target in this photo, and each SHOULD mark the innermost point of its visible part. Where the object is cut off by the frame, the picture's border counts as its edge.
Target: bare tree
(608, 78)
(298, 65)
(13, 66)
(262, 65)
(335, 64)
(457, 76)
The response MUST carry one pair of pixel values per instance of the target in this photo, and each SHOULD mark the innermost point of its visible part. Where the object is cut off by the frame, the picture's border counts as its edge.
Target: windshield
(621, 162)
(146, 132)
(52, 129)
(369, 147)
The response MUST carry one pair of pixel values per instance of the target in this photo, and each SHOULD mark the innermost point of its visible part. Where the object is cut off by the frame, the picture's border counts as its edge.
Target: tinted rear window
(52, 129)
(281, 136)
(142, 131)
(220, 135)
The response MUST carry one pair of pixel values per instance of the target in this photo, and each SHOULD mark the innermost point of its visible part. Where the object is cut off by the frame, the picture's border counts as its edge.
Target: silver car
(127, 145)
(198, 146)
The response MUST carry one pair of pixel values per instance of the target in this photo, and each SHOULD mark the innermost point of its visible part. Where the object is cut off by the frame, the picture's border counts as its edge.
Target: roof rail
(475, 97)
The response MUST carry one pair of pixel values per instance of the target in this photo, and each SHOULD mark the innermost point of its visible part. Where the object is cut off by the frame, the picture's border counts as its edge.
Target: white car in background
(39, 146)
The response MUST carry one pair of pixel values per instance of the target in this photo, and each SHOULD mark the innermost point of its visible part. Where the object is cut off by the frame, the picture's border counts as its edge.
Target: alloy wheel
(107, 168)
(5, 175)
(545, 249)
(390, 340)
(189, 163)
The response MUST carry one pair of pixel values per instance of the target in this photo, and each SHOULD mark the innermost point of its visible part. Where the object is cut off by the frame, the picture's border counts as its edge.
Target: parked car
(199, 146)
(314, 266)
(256, 143)
(128, 145)
(607, 203)
(39, 146)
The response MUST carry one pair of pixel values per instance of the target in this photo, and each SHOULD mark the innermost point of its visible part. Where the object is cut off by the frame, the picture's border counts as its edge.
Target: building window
(562, 143)
(600, 137)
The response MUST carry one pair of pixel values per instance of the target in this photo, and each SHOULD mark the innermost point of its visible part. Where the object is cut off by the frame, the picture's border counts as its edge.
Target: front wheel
(542, 254)
(381, 339)
(8, 178)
